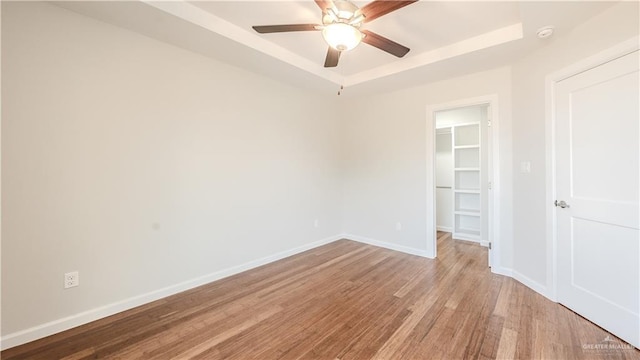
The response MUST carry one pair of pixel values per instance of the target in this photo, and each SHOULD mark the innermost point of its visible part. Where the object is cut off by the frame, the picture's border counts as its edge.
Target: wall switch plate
(71, 279)
(315, 223)
(525, 167)
(399, 226)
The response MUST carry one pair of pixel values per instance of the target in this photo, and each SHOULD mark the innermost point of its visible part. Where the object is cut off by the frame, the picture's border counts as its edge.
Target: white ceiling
(422, 26)
(447, 38)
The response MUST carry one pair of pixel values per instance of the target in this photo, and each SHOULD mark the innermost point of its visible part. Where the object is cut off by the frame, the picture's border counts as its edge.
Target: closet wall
(444, 180)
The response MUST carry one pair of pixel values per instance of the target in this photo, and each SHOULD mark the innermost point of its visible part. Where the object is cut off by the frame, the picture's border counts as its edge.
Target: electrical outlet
(71, 279)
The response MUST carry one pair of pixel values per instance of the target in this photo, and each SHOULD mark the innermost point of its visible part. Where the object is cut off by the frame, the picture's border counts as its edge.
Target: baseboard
(56, 326)
(531, 284)
(484, 243)
(502, 271)
(386, 245)
(472, 241)
(444, 228)
(461, 236)
(524, 280)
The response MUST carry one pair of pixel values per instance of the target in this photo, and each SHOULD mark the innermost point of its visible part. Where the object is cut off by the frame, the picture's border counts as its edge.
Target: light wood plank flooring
(344, 301)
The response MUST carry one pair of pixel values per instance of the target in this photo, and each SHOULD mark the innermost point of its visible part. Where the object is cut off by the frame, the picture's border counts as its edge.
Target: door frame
(493, 169)
(551, 82)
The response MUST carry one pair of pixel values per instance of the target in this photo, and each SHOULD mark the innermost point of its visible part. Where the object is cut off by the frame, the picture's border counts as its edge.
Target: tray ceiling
(446, 38)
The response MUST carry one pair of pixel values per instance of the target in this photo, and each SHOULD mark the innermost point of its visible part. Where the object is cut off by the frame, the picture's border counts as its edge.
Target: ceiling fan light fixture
(341, 36)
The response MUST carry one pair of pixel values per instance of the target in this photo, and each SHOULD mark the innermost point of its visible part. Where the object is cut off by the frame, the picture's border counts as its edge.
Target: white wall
(531, 253)
(461, 115)
(386, 154)
(231, 167)
(444, 181)
(142, 165)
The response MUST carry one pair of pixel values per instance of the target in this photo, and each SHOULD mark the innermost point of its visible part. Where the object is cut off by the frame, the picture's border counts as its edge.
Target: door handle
(561, 204)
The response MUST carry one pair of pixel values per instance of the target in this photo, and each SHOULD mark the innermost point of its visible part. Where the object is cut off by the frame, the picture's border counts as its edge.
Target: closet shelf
(467, 191)
(466, 147)
(467, 212)
(467, 169)
(460, 235)
(469, 231)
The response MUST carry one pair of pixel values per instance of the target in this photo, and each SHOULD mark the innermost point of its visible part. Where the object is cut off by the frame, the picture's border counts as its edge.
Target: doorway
(463, 172)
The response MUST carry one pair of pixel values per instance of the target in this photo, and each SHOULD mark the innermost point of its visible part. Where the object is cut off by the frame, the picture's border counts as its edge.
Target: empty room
(322, 179)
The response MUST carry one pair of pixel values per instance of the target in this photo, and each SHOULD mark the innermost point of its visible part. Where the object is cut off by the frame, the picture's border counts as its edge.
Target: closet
(461, 173)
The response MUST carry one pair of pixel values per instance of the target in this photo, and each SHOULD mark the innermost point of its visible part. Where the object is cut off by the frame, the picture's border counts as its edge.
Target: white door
(598, 177)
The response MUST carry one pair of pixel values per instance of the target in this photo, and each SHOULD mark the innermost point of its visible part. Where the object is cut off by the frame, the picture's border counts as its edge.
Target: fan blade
(332, 57)
(384, 44)
(377, 8)
(266, 29)
(324, 4)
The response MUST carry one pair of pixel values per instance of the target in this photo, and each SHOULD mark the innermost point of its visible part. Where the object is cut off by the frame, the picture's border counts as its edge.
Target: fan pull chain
(340, 91)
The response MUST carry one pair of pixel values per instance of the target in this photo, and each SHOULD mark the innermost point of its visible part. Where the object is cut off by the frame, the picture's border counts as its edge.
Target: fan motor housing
(343, 11)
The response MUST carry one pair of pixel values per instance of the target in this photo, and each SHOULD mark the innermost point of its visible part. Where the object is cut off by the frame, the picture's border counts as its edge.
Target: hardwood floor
(345, 300)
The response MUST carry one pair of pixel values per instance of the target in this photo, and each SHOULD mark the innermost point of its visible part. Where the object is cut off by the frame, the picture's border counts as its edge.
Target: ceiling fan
(341, 22)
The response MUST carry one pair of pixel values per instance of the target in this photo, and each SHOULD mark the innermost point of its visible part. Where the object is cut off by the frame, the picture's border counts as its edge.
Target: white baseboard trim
(473, 241)
(484, 243)
(59, 325)
(531, 284)
(502, 271)
(386, 245)
(461, 236)
(56, 326)
(444, 228)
